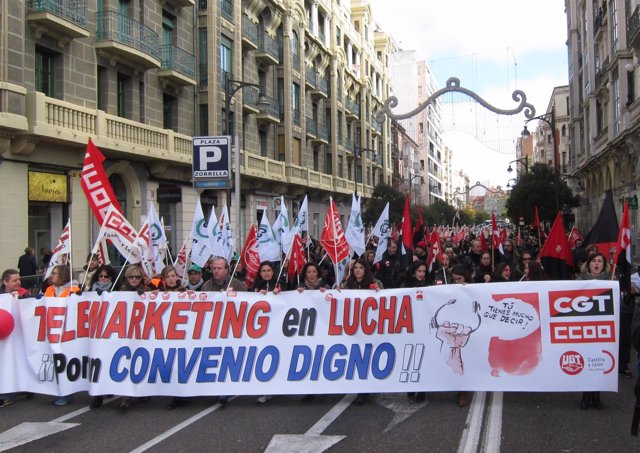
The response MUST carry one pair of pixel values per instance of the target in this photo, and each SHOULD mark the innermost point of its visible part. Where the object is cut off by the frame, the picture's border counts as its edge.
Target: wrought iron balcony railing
(74, 11)
(122, 29)
(179, 60)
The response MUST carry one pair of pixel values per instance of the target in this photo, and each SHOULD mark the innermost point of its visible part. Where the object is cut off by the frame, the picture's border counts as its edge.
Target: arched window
(295, 49)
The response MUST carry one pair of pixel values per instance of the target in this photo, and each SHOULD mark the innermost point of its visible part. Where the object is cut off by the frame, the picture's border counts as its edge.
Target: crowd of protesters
(465, 262)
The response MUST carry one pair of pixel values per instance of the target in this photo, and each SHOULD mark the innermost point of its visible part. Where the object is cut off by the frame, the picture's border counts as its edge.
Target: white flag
(158, 239)
(223, 245)
(117, 229)
(143, 242)
(181, 261)
(339, 269)
(62, 251)
(200, 250)
(301, 224)
(212, 228)
(283, 227)
(268, 247)
(355, 228)
(381, 230)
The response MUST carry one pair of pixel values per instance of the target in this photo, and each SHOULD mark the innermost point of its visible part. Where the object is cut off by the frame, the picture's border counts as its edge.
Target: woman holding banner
(361, 278)
(311, 278)
(415, 277)
(596, 268)
(102, 279)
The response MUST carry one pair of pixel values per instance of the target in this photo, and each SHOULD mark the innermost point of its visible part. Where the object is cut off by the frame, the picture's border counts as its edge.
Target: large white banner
(542, 336)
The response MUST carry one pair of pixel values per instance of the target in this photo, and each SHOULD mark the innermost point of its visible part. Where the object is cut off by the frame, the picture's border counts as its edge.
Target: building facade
(142, 77)
(604, 108)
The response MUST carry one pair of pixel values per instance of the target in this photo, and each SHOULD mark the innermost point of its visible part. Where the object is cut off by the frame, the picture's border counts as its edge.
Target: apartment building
(604, 106)
(413, 83)
(543, 141)
(142, 77)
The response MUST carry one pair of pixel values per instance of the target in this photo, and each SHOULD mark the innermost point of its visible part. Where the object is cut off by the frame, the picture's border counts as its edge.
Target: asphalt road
(509, 422)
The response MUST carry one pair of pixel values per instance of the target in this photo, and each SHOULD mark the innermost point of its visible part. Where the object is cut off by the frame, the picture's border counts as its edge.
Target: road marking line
(493, 433)
(473, 425)
(178, 427)
(330, 416)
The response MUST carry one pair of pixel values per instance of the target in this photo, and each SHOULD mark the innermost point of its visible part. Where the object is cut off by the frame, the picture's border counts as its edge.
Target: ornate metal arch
(478, 184)
(453, 86)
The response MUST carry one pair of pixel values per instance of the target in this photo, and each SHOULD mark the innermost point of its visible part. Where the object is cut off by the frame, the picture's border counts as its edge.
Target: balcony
(352, 108)
(181, 3)
(633, 29)
(63, 20)
(311, 77)
(226, 7)
(249, 33)
(12, 108)
(121, 37)
(271, 114)
(321, 89)
(69, 123)
(178, 66)
(311, 127)
(377, 127)
(324, 134)
(250, 98)
(262, 167)
(267, 52)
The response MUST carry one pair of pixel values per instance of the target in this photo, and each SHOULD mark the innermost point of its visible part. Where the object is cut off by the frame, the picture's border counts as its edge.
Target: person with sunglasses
(134, 281)
(102, 279)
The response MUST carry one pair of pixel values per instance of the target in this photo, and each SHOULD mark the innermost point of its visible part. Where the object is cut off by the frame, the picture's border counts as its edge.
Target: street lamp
(509, 185)
(231, 87)
(524, 160)
(550, 119)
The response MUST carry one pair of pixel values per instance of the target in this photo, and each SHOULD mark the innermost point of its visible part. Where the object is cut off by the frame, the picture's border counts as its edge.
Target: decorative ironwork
(453, 86)
(497, 190)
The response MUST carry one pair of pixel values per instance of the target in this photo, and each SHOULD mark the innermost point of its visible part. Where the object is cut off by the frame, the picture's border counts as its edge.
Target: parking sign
(212, 159)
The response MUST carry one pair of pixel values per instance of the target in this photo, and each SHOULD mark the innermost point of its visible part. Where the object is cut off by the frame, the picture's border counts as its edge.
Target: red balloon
(6, 324)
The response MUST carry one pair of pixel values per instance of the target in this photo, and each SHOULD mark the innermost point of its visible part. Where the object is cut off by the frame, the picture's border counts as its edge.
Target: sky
(494, 47)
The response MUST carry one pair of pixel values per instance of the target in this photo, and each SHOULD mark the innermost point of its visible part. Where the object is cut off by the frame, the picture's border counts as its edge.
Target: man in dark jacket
(389, 269)
(28, 266)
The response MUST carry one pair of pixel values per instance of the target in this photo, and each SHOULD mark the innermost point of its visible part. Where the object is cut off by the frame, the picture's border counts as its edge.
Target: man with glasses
(221, 279)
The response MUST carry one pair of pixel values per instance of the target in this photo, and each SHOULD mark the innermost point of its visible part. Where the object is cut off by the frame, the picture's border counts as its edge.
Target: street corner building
(142, 78)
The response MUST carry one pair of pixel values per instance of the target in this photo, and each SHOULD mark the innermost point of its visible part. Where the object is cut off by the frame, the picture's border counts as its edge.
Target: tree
(440, 213)
(538, 188)
(382, 194)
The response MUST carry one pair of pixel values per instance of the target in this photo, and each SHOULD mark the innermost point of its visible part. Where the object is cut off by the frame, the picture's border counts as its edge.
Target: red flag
(298, 259)
(395, 234)
(536, 222)
(574, 235)
(496, 239)
(624, 236)
(427, 235)
(483, 242)
(249, 257)
(95, 183)
(556, 250)
(435, 251)
(332, 237)
(420, 223)
(407, 231)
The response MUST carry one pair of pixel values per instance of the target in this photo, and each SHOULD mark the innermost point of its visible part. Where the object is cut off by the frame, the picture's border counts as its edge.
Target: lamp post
(231, 87)
(550, 119)
(509, 185)
(523, 160)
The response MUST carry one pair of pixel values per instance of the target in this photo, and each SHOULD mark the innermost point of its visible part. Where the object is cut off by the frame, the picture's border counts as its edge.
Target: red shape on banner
(332, 238)
(6, 324)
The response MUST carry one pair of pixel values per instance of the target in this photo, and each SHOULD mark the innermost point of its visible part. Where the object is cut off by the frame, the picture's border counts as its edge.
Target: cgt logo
(572, 363)
(584, 302)
(583, 332)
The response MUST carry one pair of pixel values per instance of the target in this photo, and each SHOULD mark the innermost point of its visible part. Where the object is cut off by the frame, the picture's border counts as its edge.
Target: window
(295, 102)
(101, 88)
(264, 143)
(613, 27)
(203, 128)
(226, 56)
(338, 36)
(124, 95)
(169, 111)
(327, 164)
(45, 71)
(295, 46)
(141, 102)
(615, 104)
(202, 56)
(168, 25)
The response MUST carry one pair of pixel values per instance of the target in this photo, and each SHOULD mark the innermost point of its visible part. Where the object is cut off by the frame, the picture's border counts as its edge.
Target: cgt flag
(249, 257)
